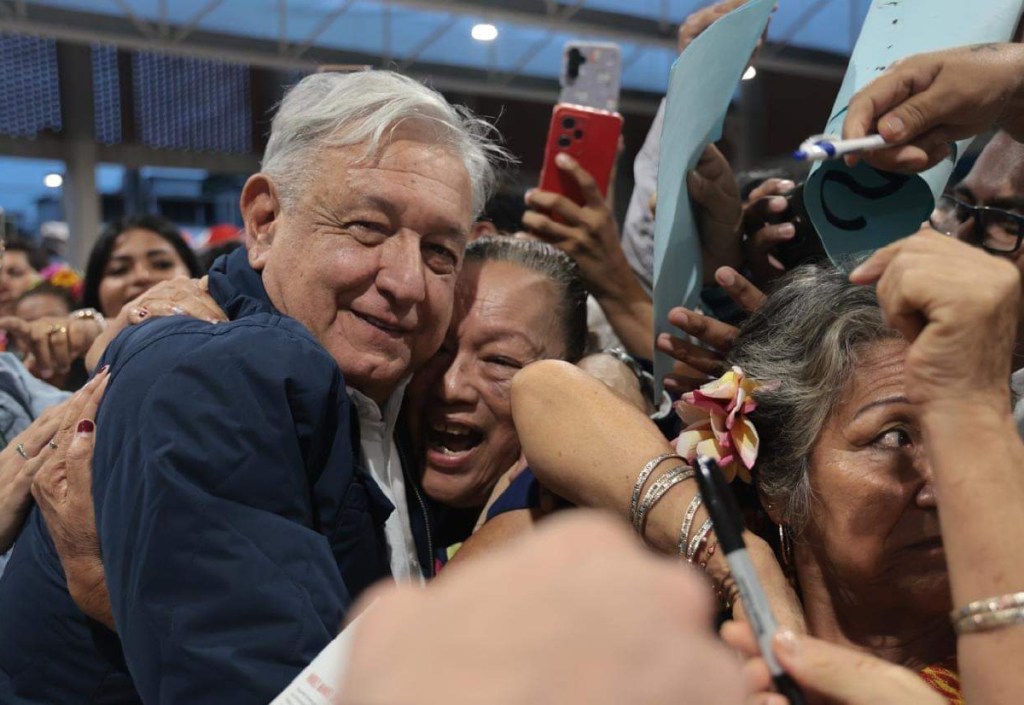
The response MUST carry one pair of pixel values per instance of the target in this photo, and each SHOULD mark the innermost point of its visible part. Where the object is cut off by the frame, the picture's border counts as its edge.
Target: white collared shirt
(380, 454)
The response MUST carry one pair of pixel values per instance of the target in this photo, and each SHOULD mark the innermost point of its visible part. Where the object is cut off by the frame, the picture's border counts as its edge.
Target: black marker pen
(728, 523)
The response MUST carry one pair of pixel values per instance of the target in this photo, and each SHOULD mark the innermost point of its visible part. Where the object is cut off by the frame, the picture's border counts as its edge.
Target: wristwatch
(645, 380)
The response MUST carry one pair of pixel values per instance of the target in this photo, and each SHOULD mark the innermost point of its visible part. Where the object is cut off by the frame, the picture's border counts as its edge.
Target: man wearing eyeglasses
(986, 208)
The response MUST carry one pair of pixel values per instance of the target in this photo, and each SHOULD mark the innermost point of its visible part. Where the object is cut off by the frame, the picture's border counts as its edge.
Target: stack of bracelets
(698, 548)
(988, 614)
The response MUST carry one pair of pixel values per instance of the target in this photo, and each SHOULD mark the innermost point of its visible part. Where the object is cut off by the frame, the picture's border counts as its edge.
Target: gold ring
(57, 328)
(21, 450)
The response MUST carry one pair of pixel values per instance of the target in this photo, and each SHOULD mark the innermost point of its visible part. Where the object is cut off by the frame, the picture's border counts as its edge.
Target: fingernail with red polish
(85, 427)
(142, 313)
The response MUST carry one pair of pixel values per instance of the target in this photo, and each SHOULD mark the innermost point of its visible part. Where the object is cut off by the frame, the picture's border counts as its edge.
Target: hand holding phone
(589, 136)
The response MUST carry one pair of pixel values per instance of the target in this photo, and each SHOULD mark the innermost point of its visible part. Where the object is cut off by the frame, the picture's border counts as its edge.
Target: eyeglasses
(992, 229)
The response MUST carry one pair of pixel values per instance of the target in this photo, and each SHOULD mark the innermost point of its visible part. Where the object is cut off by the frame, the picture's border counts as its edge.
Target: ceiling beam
(89, 28)
(322, 26)
(195, 19)
(608, 26)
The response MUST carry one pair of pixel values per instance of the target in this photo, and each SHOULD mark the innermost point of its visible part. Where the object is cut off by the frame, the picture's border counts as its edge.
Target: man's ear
(261, 213)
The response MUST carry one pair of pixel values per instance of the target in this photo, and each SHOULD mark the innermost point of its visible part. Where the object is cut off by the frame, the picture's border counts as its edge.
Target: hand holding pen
(728, 525)
(922, 103)
(838, 674)
(822, 147)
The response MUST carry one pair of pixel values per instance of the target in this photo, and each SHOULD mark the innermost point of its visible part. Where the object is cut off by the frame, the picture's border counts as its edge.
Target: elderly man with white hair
(247, 486)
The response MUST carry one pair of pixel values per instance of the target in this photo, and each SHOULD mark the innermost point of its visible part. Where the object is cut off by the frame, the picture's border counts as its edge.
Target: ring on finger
(52, 444)
(57, 328)
(21, 450)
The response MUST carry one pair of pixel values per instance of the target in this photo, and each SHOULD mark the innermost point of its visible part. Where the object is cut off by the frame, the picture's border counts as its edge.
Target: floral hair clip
(717, 423)
(64, 277)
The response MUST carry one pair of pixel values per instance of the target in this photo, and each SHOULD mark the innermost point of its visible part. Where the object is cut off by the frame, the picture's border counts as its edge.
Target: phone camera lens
(568, 123)
(564, 141)
(578, 134)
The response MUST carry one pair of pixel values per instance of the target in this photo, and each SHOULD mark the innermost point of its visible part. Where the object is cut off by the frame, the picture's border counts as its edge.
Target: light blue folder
(861, 209)
(702, 83)
(854, 210)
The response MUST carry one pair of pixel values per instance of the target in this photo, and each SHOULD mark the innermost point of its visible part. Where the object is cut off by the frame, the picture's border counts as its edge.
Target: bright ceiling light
(484, 32)
(749, 73)
(53, 180)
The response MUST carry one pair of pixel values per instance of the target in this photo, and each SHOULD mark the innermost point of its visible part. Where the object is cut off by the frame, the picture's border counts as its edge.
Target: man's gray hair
(339, 110)
(807, 336)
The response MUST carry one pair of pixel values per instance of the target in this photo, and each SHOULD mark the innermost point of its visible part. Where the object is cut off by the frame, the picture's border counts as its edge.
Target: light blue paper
(701, 86)
(861, 209)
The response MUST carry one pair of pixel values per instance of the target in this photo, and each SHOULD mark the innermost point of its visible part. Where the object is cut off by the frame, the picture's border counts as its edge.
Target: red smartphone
(589, 136)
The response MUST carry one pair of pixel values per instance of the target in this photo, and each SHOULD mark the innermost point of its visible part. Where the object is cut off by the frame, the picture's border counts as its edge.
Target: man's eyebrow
(964, 193)
(392, 212)
(1013, 202)
(456, 232)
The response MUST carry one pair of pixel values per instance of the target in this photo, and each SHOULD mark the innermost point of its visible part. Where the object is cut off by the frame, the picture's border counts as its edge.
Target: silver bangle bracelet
(988, 621)
(684, 531)
(641, 480)
(989, 604)
(658, 490)
(698, 539)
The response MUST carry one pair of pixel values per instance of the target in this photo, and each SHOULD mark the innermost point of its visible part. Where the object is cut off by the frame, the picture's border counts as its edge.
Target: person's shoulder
(262, 341)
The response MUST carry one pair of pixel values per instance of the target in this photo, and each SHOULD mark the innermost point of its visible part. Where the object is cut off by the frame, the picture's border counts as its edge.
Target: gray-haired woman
(842, 468)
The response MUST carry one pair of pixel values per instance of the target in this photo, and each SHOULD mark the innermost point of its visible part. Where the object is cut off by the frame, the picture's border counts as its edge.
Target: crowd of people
(383, 427)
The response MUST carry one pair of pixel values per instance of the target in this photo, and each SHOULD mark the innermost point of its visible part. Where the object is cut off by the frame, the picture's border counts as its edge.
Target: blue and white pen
(820, 147)
(728, 522)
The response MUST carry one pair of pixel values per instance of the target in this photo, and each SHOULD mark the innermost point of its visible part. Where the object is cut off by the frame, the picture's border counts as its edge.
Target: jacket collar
(237, 287)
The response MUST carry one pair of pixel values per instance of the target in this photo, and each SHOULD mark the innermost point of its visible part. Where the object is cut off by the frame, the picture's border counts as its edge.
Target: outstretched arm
(587, 444)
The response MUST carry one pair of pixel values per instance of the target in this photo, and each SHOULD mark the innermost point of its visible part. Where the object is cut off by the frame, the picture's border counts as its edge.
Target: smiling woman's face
(873, 536)
(459, 402)
(140, 260)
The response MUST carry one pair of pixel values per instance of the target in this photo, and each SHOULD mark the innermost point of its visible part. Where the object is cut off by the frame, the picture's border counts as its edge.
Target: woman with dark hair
(132, 255)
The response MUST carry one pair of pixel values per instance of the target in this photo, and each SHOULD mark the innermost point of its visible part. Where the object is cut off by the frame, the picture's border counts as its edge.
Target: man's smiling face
(368, 254)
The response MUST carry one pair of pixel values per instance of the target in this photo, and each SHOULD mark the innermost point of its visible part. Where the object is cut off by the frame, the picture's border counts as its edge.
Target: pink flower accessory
(63, 276)
(717, 423)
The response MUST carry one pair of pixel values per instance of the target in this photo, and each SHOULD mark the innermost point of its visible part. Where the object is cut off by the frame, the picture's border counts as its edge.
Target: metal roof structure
(187, 83)
(431, 38)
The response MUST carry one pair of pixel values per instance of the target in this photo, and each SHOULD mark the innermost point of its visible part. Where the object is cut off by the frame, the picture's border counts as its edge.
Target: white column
(81, 199)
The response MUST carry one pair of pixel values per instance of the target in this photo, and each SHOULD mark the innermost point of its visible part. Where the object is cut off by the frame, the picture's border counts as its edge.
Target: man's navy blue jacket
(235, 521)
